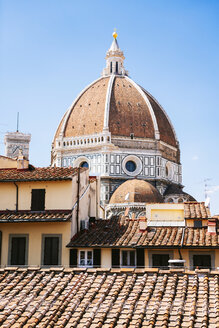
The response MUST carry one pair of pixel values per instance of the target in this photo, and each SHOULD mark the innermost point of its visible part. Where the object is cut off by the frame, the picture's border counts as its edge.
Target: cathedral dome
(117, 104)
(136, 191)
(119, 130)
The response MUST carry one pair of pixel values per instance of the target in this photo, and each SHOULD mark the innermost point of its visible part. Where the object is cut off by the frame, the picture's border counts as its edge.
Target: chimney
(212, 223)
(142, 223)
(22, 162)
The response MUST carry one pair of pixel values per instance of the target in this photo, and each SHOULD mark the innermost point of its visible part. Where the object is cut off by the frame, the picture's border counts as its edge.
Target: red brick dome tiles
(117, 103)
(137, 191)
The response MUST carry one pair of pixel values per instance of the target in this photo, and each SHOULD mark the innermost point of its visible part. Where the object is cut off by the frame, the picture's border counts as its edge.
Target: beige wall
(35, 232)
(106, 255)
(6, 163)
(106, 258)
(7, 196)
(58, 194)
(165, 211)
(167, 215)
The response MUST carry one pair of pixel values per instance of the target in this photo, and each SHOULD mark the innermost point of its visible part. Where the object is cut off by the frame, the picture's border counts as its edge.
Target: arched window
(117, 67)
(111, 67)
(84, 164)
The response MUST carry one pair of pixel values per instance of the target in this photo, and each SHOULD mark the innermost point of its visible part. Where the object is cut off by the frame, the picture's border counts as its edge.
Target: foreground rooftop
(108, 298)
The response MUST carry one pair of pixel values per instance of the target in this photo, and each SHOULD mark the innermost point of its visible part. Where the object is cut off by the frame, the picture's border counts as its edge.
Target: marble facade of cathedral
(120, 131)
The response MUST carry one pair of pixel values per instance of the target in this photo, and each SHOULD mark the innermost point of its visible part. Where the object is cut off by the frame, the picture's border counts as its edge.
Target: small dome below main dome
(136, 191)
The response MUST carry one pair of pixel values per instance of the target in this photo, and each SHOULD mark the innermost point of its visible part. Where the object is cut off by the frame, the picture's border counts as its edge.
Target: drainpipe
(78, 199)
(16, 204)
(179, 249)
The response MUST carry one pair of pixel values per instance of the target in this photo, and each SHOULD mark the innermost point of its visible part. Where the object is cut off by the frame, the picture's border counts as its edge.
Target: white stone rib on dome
(107, 103)
(157, 133)
(69, 110)
(165, 113)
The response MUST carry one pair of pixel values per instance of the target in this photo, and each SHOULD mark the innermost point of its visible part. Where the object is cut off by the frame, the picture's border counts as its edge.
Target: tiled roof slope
(38, 174)
(198, 237)
(29, 216)
(124, 232)
(71, 298)
(196, 210)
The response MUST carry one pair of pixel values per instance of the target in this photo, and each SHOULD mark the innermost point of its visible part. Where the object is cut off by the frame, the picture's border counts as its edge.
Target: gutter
(16, 204)
(78, 199)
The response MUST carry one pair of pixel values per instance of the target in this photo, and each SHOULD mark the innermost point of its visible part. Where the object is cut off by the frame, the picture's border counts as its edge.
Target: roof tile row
(38, 174)
(72, 298)
(122, 232)
(29, 216)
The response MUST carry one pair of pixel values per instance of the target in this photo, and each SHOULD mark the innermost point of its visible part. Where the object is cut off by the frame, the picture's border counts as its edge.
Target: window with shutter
(51, 250)
(140, 257)
(128, 258)
(97, 257)
(38, 200)
(18, 249)
(197, 223)
(160, 261)
(73, 258)
(115, 258)
(202, 261)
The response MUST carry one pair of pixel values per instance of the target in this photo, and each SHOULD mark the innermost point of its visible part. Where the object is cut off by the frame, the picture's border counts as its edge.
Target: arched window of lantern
(117, 67)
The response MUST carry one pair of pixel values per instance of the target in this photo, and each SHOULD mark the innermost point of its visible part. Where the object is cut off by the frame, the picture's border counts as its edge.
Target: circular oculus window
(132, 165)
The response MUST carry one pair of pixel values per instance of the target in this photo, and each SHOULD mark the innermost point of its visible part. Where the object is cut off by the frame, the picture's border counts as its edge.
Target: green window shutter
(97, 257)
(115, 258)
(73, 261)
(51, 250)
(38, 200)
(140, 257)
(18, 249)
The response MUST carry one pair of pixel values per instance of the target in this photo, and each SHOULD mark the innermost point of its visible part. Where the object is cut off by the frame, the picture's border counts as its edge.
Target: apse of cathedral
(120, 131)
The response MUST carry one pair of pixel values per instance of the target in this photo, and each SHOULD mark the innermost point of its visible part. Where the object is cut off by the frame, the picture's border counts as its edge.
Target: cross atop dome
(114, 59)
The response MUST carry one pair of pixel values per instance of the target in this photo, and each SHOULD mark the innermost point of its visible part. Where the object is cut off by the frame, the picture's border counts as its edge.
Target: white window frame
(128, 259)
(86, 263)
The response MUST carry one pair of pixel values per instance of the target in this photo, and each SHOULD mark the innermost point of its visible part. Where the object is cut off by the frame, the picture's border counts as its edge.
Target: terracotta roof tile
(122, 232)
(70, 298)
(199, 237)
(38, 174)
(196, 210)
(29, 216)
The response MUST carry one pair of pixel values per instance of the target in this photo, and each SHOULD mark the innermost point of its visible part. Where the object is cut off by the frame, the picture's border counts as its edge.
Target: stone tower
(15, 141)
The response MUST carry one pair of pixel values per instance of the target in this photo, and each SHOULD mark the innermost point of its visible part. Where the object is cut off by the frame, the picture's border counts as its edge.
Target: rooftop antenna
(17, 121)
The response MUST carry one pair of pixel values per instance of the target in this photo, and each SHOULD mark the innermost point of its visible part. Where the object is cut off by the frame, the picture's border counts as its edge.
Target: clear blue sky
(50, 50)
